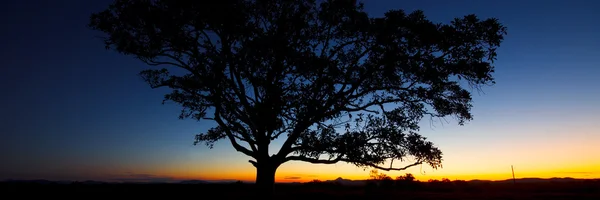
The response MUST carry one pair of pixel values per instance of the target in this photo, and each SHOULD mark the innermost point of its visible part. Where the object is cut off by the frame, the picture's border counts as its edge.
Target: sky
(72, 110)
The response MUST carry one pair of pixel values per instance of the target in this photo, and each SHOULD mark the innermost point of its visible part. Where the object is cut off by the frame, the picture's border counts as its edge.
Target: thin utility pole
(513, 173)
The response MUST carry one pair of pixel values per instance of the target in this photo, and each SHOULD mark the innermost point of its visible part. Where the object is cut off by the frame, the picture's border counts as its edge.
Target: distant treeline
(446, 185)
(573, 189)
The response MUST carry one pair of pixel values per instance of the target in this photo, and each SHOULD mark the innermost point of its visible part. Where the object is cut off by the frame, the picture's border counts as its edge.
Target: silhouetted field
(580, 189)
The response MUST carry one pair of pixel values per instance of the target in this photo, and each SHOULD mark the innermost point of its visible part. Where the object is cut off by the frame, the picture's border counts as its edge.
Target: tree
(406, 178)
(335, 83)
(406, 182)
(378, 176)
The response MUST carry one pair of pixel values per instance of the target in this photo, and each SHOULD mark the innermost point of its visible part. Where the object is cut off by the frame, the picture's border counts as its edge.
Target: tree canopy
(335, 83)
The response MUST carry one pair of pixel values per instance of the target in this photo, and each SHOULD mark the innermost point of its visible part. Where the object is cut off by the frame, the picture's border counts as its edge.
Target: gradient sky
(71, 110)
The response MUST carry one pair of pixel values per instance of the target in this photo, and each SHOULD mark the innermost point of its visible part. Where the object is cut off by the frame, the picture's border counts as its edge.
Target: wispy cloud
(576, 172)
(580, 173)
(299, 176)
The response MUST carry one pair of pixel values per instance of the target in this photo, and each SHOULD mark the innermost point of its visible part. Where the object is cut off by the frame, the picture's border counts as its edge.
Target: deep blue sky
(70, 109)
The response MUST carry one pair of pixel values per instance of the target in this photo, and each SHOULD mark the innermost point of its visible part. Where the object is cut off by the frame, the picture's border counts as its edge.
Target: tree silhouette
(407, 178)
(336, 84)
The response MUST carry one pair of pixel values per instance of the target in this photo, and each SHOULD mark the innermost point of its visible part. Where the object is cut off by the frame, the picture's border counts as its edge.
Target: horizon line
(175, 181)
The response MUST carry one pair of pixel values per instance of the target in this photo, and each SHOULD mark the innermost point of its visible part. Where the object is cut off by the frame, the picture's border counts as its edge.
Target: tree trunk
(265, 179)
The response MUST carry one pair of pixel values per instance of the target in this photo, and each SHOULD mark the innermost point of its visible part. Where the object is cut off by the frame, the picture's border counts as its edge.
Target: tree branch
(394, 169)
(229, 134)
(312, 160)
(245, 135)
(240, 91)
(338, 159)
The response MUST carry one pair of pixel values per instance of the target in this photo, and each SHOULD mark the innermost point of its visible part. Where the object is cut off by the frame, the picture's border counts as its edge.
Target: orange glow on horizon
(288, 174)
(476, 157)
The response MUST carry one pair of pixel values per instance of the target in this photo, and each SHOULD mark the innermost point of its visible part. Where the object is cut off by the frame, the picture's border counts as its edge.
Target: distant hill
(37, 181)
(193, 182)
(534, 180)
(92, 182)
(339, 180)
(347, 182)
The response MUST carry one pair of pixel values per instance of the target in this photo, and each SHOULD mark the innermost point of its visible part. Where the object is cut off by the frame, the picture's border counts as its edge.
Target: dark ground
(581, 189)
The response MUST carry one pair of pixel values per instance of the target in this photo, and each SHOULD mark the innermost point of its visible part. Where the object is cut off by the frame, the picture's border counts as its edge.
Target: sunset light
(484, 99)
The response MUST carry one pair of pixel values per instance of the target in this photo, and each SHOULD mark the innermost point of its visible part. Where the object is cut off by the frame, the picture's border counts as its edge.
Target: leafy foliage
(408, 177)
(378, 176)
(338, 84)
